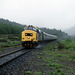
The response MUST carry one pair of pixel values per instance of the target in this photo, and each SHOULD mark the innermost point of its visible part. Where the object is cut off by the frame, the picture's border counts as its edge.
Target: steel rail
(6, 58)
(3, 55)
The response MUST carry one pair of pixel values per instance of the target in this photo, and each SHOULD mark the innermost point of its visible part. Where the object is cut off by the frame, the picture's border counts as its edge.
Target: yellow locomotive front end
(30, 37)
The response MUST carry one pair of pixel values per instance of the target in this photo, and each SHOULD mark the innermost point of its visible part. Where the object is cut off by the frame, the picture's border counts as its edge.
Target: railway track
(6, 58)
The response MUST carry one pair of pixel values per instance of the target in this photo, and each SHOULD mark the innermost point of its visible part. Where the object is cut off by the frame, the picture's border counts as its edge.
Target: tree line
(8, 27)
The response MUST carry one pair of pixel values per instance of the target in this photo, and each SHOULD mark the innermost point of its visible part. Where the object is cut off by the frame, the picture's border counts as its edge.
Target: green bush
(68, 44)
(28, 72)
(37, 73)
(3, 40)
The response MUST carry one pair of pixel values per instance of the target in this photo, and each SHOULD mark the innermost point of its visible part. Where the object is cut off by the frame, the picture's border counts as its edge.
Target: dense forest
(8, 27)
(6, 21)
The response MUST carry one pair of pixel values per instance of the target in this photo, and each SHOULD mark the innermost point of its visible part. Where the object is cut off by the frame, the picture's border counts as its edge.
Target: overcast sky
(59, 14)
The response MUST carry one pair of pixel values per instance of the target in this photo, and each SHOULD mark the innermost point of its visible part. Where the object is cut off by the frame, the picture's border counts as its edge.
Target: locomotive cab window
(34, 29)
(26, 28)
(31, 28)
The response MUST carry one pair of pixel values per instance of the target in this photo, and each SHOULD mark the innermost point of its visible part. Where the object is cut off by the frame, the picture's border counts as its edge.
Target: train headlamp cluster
(28, 34)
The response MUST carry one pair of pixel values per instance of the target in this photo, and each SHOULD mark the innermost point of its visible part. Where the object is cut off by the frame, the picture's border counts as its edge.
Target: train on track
(32, 35)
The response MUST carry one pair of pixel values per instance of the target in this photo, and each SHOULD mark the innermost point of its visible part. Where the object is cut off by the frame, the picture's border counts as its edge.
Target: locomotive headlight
(26, 34)
(28, 37)
(31, 33)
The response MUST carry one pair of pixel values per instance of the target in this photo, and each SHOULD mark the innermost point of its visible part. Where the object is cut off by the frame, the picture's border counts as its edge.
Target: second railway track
(6, 58)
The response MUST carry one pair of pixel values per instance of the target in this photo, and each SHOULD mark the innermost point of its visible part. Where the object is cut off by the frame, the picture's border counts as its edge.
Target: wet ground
(10, 49)
(21, 64)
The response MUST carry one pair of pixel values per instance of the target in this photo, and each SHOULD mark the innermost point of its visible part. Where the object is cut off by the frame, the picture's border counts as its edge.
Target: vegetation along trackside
(57, 58)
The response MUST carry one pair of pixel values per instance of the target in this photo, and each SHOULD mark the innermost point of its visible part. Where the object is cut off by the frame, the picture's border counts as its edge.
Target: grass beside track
(10, 44)
(60, 59)
(9, 40)
(56, 59)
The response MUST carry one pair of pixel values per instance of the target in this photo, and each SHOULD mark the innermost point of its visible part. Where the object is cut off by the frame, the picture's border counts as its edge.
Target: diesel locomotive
(32, 35)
